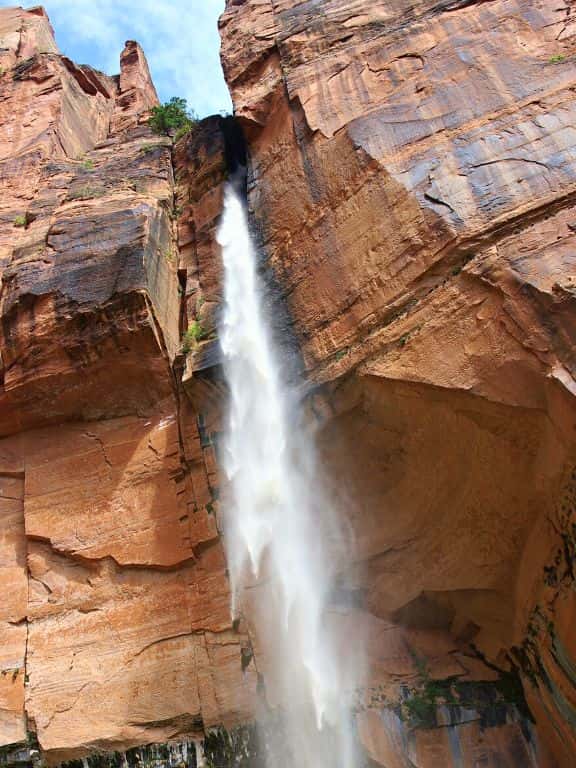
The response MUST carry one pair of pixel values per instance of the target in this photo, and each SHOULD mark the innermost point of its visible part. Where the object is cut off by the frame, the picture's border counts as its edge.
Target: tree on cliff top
(172, 118)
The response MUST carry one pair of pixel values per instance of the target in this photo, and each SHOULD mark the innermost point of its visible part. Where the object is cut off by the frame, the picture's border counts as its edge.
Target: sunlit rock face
(115, 627)
(412, 181)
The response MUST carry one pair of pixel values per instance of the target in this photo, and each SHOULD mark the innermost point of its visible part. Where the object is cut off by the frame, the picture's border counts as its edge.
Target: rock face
(412, 180)
(115, 627)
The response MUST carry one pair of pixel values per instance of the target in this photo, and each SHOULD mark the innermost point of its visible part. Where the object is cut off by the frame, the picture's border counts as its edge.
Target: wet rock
(411, 180)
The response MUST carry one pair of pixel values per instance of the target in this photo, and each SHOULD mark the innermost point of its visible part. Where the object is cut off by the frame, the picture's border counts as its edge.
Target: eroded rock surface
(412, 179)
(115, 626)
(412, 186)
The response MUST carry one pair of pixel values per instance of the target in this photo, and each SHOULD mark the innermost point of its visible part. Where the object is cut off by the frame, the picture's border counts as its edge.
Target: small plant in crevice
(20, 221)
(407, 335)
(403, 340)
(559, 58)
(418, 706)
(184, 130)
(463, 260)
(88, 164)
(193, 335)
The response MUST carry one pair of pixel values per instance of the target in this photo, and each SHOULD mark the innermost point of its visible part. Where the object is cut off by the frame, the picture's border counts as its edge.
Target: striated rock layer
(413, 184)
(115, 627)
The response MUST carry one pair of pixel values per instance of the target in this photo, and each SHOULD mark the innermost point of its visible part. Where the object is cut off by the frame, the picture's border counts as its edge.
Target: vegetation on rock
(195, 333)
(490, 700)
(173, 118)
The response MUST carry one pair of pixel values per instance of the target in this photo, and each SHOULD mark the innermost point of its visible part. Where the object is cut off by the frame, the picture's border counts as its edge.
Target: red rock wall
(115, 629)
(412, 184)
(412, 180)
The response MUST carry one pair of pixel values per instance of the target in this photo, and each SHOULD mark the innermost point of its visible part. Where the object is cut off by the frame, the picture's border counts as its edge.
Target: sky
(179, 37)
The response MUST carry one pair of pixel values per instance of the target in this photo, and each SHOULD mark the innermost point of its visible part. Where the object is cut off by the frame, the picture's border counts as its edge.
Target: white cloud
(180, 39)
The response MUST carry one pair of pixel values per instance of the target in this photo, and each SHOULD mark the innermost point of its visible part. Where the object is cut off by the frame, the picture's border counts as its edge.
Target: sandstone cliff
(115, 625)
(412, 180)
(411, 183)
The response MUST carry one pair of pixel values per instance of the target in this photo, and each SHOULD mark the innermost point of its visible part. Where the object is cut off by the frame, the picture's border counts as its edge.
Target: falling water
(281, 533)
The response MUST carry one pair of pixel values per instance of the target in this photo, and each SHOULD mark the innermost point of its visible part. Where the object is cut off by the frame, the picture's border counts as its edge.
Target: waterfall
(282, 536)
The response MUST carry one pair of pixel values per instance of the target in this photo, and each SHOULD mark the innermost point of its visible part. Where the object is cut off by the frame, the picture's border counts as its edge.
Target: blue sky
(180, 39)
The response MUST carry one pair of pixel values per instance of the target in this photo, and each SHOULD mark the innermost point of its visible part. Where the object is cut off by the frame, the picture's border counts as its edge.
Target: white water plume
(282, 535)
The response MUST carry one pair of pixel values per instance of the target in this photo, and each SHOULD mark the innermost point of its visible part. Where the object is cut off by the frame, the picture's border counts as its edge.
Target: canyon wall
(411, 185)
(115, 625)
(412, 182)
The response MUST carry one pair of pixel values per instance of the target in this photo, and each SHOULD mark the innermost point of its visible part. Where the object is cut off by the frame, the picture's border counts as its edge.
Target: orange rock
(137, 94)
(115, 624)
(412, 184)
(14, 607)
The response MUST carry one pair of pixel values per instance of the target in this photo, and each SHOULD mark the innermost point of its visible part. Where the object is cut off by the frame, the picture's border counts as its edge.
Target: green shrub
(193, 335)
(20, 221)
(420, 710)
(88, 164)
(341, 354)
(185, 129)
(172, 118)
(558, 59)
